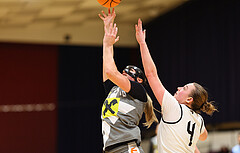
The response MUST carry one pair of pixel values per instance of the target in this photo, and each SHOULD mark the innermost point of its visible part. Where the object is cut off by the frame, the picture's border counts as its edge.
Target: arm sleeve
(108, 86)
(171, 110)
(138, 91)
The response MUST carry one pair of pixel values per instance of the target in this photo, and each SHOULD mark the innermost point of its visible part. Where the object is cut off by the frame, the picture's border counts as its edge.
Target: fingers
(139, 24)
(138, 27)
(115, 29)
(112, 29)
(105, 28)
(113, 11)
(110, 15)
(110, 36)
(114, 26)
(101, 16)
(139, 20)
(104, 14)
(117, 39)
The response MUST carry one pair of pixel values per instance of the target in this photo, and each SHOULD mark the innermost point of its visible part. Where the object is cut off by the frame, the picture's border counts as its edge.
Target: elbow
(203, 136)
(150, 71)
(150, 74)
(109, 72)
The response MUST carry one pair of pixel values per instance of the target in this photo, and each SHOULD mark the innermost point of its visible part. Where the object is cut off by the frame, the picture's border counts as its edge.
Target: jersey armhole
(172, 122)
(170, 107)
(201, 128)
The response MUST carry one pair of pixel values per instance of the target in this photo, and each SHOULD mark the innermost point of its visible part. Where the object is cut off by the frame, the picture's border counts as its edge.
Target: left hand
(140, 34)
(110, 36)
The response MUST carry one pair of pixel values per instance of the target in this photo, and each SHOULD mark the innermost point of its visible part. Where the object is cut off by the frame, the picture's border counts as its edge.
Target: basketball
(109, 3)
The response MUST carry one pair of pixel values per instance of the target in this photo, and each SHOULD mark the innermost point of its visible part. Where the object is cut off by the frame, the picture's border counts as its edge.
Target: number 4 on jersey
(191, 132)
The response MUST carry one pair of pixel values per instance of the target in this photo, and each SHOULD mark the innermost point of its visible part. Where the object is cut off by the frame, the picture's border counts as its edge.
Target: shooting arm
(107, 20)
(110, 67)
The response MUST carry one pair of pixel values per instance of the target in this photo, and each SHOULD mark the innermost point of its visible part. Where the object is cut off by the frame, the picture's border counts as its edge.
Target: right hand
(107, 19)
(140, 34)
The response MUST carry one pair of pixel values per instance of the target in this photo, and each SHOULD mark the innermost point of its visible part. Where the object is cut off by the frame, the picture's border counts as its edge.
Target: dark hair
(200, 100)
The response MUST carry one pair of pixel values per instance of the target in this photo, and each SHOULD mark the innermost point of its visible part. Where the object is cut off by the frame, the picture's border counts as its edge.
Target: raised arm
(109, 67)
(148, 64)
(107, 19)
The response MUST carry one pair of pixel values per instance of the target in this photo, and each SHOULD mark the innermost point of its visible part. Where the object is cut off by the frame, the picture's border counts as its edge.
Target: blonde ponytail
(150, 116)
(208, 108)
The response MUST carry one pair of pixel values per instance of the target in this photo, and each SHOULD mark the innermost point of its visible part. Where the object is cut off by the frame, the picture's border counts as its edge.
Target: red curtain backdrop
(28, 98)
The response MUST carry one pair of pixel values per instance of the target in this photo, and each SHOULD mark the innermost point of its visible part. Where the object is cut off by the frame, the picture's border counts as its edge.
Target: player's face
(128, 76)
(183, 93)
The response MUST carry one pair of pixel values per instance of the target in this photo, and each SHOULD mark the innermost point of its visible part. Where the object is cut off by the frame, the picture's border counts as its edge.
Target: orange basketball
(109, 3)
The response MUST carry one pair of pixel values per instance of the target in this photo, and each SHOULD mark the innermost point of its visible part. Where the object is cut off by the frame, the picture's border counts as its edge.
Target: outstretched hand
(110, 36)
(107, 19)
(140, 34)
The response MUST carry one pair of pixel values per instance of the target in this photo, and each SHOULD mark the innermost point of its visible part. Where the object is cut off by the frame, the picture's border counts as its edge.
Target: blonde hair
(150, 116)
(200, 100)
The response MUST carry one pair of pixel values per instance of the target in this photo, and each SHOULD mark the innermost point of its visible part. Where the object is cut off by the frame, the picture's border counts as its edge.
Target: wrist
(105, 44)
(142, 43)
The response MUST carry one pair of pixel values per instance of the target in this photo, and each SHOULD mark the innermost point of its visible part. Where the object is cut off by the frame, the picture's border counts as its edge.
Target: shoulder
(172, 111)
(108, 85)
(168, 97)
(169, 101)
(138, 91)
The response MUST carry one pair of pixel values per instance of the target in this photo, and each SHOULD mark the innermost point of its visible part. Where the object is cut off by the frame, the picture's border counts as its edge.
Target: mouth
(124, 73)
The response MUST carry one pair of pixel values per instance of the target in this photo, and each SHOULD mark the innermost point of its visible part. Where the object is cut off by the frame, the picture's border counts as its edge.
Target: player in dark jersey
(126, 101)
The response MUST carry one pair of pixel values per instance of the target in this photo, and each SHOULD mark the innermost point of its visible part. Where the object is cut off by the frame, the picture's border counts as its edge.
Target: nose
(179, 88)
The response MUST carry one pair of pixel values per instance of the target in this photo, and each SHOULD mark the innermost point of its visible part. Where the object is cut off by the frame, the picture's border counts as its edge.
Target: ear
(189, 100)
(139, 80)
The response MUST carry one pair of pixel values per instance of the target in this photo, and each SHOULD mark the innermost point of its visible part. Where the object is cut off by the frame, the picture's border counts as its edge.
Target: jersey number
(190, 131)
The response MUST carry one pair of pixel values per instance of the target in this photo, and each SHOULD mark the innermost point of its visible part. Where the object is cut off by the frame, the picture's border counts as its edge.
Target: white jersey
(179, 128)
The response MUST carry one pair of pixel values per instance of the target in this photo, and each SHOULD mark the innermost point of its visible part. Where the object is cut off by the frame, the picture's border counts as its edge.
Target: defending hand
(140, 34)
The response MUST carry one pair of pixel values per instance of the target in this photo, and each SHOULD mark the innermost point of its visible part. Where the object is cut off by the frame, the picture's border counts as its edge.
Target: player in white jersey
(181, 125)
